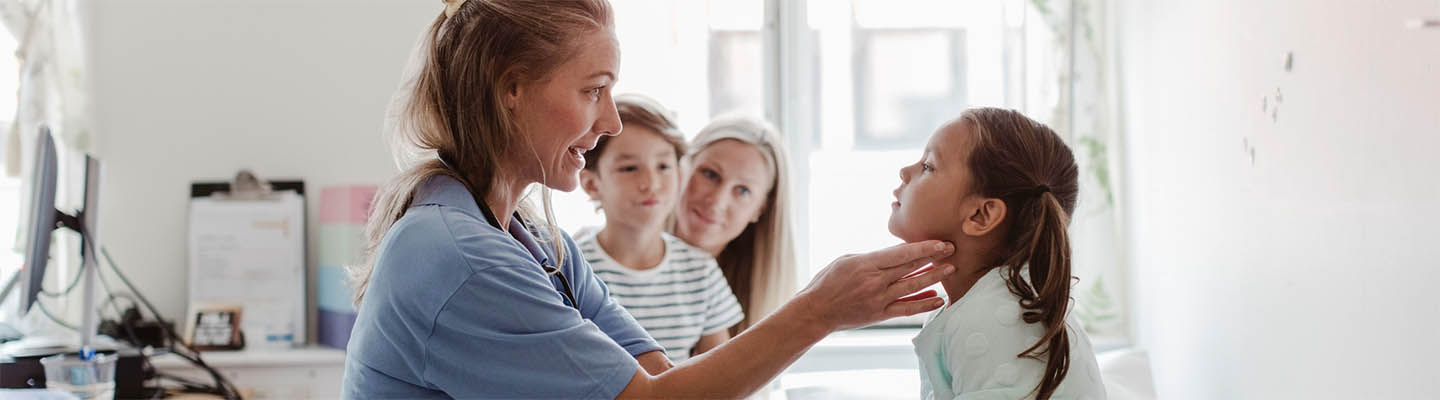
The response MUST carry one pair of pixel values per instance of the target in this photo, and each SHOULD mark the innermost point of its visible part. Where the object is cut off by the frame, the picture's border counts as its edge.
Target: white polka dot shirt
(968, 350)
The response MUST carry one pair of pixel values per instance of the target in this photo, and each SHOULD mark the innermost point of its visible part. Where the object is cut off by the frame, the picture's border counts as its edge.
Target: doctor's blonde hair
(450, 106)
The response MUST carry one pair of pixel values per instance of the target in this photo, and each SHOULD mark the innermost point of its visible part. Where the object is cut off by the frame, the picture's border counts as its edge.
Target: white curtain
(53, 79)
(52, 89)
(1086, 115)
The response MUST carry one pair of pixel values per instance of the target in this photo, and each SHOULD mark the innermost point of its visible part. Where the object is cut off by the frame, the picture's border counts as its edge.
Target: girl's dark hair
(1025, 164)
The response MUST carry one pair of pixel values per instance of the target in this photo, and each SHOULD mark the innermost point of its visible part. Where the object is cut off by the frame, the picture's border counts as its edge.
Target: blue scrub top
(458, 308)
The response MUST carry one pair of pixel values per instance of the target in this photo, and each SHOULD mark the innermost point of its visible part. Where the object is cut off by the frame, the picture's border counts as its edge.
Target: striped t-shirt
(678, 301)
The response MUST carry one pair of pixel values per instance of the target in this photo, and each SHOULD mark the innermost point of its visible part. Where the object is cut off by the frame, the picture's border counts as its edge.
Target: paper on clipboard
(252, 253)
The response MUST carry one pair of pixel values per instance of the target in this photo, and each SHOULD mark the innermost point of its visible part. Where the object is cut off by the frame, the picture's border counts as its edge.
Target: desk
(317, 372)
(841, 365)
(35, 394)
(304, 373)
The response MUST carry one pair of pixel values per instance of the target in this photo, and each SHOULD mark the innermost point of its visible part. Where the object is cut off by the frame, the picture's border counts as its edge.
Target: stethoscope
(551, 270)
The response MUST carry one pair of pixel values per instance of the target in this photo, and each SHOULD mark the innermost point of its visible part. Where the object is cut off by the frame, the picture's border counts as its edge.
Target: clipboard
(248, 251)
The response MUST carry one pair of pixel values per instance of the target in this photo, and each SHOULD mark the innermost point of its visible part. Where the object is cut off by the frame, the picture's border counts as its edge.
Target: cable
(109, 295)
(186, 385)
(79, 273)
(180, 379)
(110, 302)
(120, 319)
(224, 387)
(120, 311)
(52, 317)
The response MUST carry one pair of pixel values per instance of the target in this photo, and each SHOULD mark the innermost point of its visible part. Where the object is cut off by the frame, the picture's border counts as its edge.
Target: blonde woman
(465, 294)
(736, 206)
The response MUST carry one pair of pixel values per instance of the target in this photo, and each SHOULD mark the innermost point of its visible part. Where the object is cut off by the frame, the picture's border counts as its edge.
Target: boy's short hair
(639, 110)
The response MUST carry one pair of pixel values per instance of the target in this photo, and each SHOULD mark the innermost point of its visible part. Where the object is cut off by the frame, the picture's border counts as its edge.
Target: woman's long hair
(450, 108)
(759, 263)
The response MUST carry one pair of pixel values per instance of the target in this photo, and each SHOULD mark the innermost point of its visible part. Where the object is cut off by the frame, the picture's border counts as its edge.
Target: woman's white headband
(451, 6)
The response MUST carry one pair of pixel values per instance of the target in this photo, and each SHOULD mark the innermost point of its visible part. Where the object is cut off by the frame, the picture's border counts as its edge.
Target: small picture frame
(215, 327)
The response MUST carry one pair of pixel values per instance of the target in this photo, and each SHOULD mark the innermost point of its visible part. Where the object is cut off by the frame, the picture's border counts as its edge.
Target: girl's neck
(638, 248)
(970, 266)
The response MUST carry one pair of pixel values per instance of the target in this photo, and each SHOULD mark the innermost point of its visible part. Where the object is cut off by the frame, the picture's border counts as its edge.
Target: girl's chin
(644, 219)
(900, 231)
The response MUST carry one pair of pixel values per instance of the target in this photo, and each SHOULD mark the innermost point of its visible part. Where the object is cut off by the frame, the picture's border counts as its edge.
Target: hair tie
(447, 164)
(1037, 191)
(452, 6)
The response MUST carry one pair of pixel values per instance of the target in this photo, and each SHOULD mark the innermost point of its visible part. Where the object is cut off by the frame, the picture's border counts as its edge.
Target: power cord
(41, 305)
(124, 319)
(79, 273)
(223, 386)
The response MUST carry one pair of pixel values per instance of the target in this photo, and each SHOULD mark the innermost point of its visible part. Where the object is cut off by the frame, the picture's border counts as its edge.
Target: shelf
(305, 356)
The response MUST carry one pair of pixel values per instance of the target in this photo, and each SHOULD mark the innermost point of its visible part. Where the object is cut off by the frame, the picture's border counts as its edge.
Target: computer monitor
(44, 219)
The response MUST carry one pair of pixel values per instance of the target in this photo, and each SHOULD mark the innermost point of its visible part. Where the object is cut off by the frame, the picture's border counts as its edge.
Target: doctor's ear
(590, 183)
(985, 217)
(512, 96)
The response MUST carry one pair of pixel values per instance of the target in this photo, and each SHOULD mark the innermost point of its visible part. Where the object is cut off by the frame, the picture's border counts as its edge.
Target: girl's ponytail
(1044, 300)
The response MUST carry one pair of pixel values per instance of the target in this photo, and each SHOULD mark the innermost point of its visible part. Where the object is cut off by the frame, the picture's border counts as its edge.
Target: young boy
(676, 291)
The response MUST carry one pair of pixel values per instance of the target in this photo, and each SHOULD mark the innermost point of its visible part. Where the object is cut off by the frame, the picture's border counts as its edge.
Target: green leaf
(1099, 164)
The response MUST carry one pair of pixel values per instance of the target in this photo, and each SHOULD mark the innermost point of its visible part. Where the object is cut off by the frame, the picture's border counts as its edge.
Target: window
(10, 214)
(890, 73)
(698, 58)
(10, 202)
(905, 77)
(857, 86)
(64, 257)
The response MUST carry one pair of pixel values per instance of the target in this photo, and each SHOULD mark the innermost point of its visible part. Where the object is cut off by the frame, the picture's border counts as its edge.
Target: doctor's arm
(710, 341)
(851, 292)
(655, 362)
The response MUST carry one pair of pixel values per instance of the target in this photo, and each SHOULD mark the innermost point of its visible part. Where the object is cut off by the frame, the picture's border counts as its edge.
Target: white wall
(1304, 275)
(191, 90)
(1312, 272)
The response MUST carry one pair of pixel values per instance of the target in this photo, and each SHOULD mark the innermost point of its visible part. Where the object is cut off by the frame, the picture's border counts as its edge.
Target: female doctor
(467, 293)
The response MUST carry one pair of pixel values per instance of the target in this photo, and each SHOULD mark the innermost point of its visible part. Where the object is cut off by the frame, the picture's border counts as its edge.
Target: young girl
(1001, 187)
(676, 291)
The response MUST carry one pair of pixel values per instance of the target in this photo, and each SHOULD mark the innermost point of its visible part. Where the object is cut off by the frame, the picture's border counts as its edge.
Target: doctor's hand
(861, 289)
(853, 291)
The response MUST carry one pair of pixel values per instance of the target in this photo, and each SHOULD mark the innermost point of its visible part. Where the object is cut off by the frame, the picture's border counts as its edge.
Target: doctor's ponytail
(449, 106)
